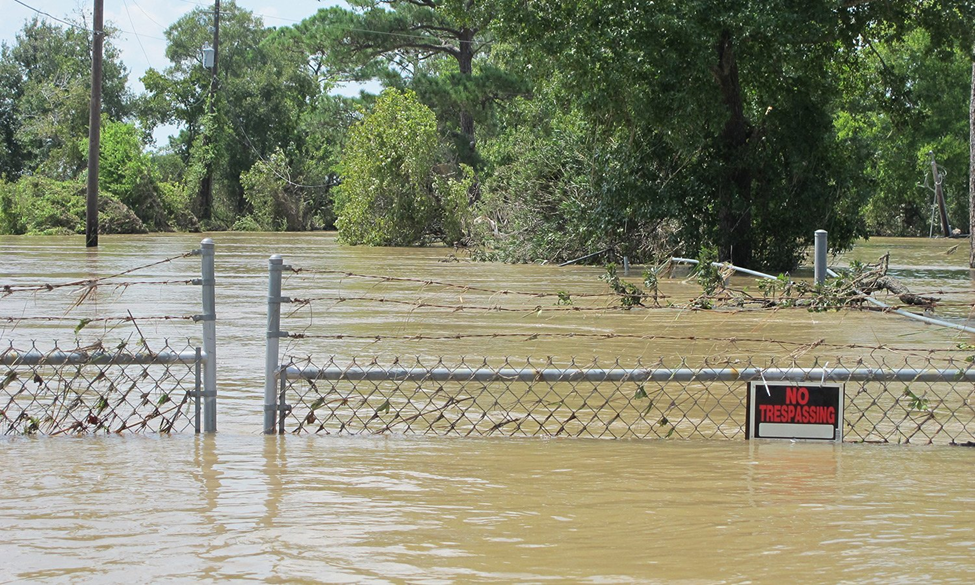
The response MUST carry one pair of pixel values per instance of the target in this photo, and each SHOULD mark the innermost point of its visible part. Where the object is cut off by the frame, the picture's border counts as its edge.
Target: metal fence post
(209, 319)
(819, 266)
(271, 365)
(197, 391)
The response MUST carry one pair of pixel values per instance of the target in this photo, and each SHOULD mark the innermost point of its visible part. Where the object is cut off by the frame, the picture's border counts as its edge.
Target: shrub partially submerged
(39, 206)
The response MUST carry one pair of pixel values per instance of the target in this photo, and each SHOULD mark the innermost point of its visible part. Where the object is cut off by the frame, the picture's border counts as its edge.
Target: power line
(154, 21)
(82, 28)
(362, 30)
(137, 38)
(240, 126)
(346, 29)
(52, 17)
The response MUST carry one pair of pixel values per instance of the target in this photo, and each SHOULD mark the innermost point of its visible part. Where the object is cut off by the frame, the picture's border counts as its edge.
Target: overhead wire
(240, 126)
(137, 37)
(84, 28)
(154, 21)
(52, 17)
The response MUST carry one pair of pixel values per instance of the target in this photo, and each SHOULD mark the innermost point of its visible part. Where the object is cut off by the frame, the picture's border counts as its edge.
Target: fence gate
(89, 391)
(100, 389)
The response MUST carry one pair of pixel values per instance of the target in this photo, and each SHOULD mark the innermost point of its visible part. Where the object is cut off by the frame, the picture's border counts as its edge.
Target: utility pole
(206, 188)
(94, 127)
(971, 170)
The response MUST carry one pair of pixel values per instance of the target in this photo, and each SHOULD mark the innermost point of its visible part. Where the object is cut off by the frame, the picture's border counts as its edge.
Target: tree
(45, 84)
(263, 93)
(384, 37)
(126, 171)
(727, 103)
(734, 101)
(391, 194)
(905, 100)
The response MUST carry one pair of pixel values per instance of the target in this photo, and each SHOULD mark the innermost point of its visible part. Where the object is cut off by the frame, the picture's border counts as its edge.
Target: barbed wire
(99, 319)
(8, 290)
(739, 301)
(91, 283)
(821, 343)
(423, 305)
(742, 305)
(462, 287)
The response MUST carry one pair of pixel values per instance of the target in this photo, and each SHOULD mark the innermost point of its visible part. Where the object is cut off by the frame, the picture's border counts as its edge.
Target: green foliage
(917, 402)
(266, 188)
(558, 187)
(247, 223)
(264, 91)
(726, 105)
(41, 206)
(739, 127)
(391, 192)
(45, 85)
(453, 196)
(435, 48)
(652, 283)
(706, 273)
(277, 202)
(772, 288)
(904, 101)
(127, 172)
(629, 294)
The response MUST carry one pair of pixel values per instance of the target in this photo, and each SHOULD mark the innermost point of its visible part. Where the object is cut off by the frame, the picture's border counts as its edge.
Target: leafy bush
(247, 223)
(128, 173)
(393, 191)
(559, 188)
(176, 201)
(277, 202)
(40, 206)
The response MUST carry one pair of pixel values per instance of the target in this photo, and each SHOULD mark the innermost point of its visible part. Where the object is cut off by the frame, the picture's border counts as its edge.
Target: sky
(142, 41)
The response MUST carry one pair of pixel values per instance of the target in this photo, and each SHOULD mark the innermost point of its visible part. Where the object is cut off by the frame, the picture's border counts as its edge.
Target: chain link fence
(121, 375)
(92, 390)
(921, 394)
(928, 400)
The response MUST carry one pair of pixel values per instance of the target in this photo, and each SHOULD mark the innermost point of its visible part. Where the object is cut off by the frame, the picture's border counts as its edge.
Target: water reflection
(347, 509)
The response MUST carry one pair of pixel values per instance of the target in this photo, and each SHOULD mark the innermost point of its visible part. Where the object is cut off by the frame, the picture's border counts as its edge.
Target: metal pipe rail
(100, 358)
(749, 374)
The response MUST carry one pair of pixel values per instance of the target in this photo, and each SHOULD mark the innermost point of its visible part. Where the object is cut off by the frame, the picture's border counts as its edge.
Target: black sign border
(750, 414)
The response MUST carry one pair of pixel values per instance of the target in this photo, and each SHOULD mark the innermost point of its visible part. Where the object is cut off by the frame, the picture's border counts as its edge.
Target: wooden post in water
(94, 127)
(971, 170)
(206, 187)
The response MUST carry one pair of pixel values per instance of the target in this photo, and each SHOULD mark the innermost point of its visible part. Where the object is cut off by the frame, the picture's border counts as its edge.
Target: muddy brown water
(420, 509)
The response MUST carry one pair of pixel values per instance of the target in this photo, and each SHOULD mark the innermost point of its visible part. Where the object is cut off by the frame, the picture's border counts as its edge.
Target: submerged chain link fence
(925, 401)
(892, 395)
(133, 385)
(91, 390)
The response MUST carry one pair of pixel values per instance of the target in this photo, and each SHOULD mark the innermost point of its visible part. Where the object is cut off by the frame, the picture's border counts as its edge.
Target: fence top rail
(100, 358)
(528, 374)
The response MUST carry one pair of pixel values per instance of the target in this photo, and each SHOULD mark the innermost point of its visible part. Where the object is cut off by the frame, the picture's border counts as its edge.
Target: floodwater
(239, 505)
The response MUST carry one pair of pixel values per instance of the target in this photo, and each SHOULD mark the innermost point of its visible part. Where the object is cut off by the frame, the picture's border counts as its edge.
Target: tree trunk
(734, 189)
(971, 169)
(468, 149)
(465, 61)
